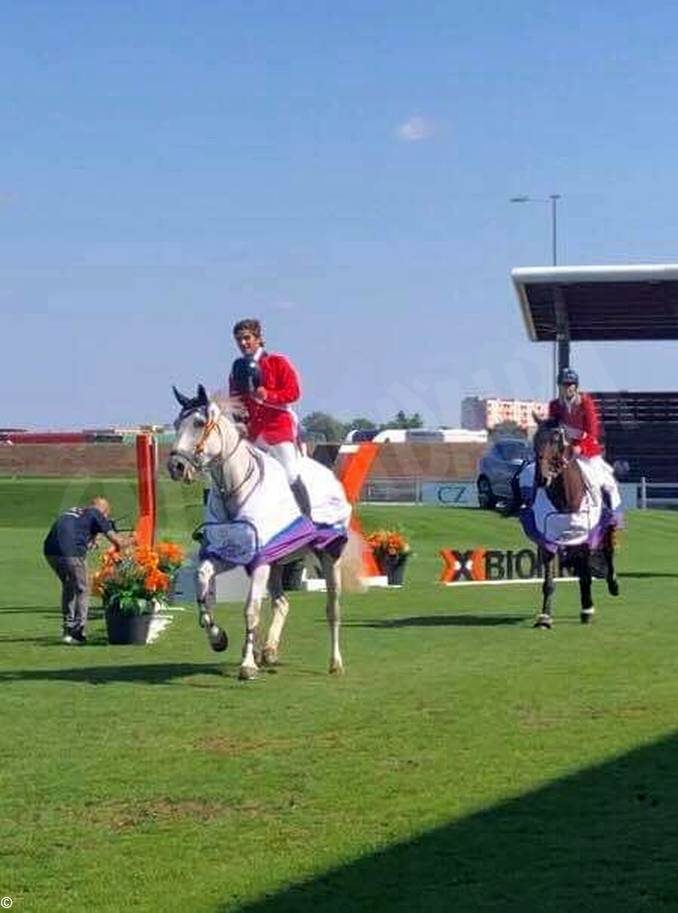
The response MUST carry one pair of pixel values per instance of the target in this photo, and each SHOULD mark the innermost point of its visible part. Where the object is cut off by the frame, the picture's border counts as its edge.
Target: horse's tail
(352, 568)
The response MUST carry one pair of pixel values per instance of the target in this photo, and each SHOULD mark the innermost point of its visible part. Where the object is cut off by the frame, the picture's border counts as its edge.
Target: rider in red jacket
(576, 411)
(268, 384)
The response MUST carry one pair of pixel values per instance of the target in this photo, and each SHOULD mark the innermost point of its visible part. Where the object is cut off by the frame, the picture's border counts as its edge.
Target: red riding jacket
(272, 418)
(580, 421)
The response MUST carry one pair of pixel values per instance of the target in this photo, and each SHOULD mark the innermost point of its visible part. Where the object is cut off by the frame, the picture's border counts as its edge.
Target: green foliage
(360, 424)
(402, 420)
(464, 762)
(126, 589)
(323, 427)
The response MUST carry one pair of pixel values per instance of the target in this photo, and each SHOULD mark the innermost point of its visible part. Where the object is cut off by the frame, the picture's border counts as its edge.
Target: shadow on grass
(433, 621)
(646, 575)
(603, 840)
(147, 673)
(43, 640)
(30, 609)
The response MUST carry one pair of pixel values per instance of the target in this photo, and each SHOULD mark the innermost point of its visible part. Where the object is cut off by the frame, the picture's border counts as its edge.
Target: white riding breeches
(607, 479)
(286, 453)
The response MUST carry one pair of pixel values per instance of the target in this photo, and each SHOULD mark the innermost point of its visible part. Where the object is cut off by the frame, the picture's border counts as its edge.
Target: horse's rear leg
(204, 575)
(279, 609)
(544, 619)
(332, 574)
(585, 585)
(258, 581)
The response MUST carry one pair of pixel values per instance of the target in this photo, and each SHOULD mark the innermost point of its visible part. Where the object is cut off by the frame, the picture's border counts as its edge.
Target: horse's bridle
(558, 461)
(196, 459)
(210, 425)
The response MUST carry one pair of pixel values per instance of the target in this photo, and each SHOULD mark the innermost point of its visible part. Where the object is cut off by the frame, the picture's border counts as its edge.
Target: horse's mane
(233, 408)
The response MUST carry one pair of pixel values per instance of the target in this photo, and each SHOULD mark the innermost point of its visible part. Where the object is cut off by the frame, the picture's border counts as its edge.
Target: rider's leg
(608, 482)
(287, 454)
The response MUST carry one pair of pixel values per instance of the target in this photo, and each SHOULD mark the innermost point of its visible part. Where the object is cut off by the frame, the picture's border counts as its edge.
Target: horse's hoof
(586, 616)
(545, 622)
(269, 657)
(247, 673)
(336, 668)
(218, 638)
(613, 587)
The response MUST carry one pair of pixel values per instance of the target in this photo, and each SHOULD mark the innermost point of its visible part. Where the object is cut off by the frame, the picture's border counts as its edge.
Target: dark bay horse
(569, 511)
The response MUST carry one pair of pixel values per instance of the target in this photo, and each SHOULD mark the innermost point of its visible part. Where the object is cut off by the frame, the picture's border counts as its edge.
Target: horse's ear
(181, 399)
(213, 411)
(203, 398)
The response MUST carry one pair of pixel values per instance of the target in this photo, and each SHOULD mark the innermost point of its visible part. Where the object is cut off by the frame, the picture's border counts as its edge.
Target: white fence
(635, 495)
(657, 494)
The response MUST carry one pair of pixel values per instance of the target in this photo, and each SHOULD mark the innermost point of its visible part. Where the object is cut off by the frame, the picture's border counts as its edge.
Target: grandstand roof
(599, 302)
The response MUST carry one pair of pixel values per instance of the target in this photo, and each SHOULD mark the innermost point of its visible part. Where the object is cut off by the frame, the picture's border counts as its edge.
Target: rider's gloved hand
(261, 393)
(245, 376)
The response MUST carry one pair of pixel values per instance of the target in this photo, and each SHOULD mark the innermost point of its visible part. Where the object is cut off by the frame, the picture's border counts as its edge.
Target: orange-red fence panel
(146, 466)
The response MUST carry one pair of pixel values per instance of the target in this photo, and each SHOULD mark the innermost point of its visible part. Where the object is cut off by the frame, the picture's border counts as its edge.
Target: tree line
(321, 426)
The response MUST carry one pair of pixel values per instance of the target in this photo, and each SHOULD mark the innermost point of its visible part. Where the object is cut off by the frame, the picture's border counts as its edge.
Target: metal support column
(562, 332)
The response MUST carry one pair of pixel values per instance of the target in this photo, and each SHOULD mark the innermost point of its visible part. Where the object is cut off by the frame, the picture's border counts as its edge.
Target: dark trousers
(72, 572)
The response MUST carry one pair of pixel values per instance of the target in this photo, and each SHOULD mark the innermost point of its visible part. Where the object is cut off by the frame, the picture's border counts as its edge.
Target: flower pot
(393, 566)
(126, 629)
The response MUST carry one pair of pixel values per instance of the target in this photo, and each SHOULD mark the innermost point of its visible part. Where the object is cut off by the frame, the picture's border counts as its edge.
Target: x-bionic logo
(478, 564)
(469, 565)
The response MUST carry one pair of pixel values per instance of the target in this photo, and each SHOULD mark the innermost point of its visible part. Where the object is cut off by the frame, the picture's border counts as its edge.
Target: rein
(211, 426)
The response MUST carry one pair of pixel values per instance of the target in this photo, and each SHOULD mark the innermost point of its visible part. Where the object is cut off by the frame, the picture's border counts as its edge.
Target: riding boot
(300, 493)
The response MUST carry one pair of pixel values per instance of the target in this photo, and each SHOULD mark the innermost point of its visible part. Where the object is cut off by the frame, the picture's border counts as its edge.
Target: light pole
(552, 198)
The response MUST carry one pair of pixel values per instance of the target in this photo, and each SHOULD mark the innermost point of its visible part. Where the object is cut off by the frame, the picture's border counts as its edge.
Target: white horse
(253, 520)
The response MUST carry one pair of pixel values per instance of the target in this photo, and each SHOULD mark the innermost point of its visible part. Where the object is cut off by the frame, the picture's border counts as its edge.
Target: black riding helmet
(568, 376)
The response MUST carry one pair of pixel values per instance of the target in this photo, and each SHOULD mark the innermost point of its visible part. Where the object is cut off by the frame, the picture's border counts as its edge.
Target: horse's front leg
(544, 619)
(204, 575)
(257, 591)
(585, 585)
(608, 554)
(279, 609)
(332, 574)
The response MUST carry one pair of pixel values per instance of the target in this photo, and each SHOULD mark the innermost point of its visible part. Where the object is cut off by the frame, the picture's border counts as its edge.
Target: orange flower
(388, 542)
(157, 581)
(137, 571)
(170, 550)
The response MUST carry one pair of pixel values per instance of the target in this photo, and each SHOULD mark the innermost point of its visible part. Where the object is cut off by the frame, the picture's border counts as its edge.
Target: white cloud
(415, 129)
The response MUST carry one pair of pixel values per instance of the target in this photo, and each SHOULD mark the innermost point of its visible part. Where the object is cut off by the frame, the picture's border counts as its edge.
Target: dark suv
(497, 468)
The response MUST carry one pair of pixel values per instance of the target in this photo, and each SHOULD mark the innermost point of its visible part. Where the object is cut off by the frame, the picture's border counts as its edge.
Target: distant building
(479, 414)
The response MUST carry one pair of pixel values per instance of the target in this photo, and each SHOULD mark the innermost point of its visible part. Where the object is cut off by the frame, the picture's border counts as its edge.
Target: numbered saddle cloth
(599, 510)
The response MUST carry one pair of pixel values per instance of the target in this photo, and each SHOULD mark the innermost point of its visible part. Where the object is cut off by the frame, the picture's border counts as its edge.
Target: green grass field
(464, 762)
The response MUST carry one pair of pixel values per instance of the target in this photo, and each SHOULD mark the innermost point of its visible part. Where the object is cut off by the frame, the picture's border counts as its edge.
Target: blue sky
(343, 171)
